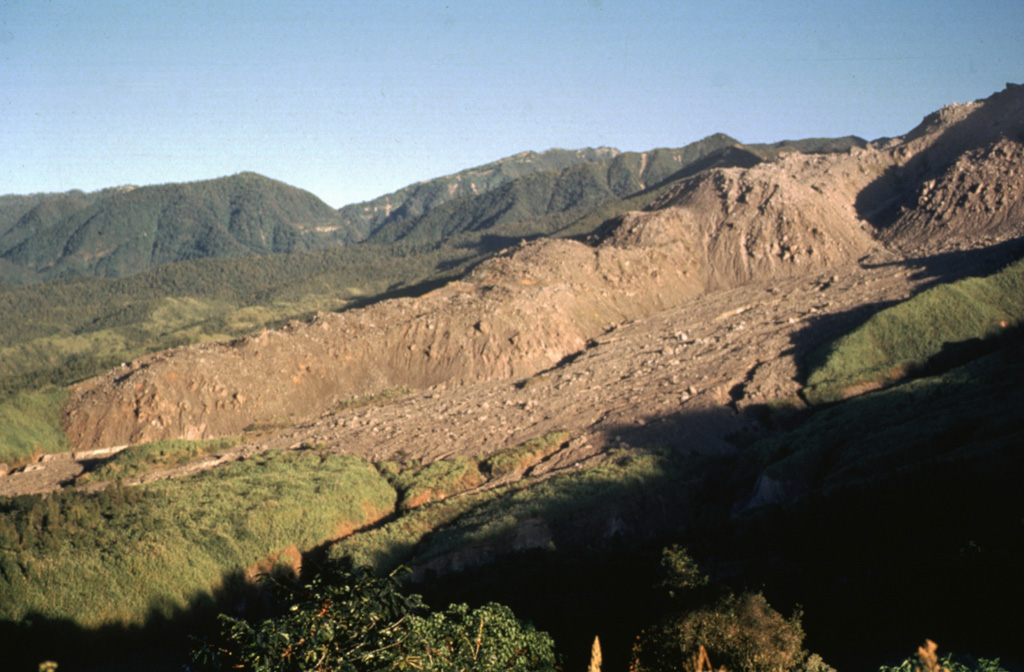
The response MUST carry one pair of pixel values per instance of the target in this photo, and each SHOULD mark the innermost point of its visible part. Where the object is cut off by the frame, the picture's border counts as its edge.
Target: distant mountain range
(120, 231)
(415, 200)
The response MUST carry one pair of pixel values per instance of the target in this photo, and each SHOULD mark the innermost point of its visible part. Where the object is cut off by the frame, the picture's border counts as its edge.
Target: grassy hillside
(30, 425)
(128, 554)
(931, 329)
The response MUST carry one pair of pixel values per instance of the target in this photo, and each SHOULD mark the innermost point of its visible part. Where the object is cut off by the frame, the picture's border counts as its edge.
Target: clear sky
(352, 100)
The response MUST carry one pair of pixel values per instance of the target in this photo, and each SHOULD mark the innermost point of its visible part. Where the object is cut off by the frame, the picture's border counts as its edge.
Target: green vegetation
(907, 337)
(436, 481)
(968, 411)
(118, 232)
(415, 200)
(344, 620)
(492, 517)
(485, 639)
(524, 456)
(386, 547)
(125, 554)
(30, 425)
(928, 660)
(565, 506)
(740, 633)
(809, 146)
(545, 202)
(138, 459)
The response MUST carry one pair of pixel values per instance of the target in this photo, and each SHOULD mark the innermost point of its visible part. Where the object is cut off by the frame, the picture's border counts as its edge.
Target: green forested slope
(417, 199)
(127, 230)
(547, 200)
(44, 206)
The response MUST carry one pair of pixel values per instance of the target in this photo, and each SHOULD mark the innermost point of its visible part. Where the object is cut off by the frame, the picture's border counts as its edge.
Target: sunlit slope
(938, 325)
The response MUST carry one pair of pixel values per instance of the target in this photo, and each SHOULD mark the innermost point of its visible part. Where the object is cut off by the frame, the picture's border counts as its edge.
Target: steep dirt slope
(516, 314)
(512, 317)
(531, 307)
(772, 220)
(955, 181)
(978, 200)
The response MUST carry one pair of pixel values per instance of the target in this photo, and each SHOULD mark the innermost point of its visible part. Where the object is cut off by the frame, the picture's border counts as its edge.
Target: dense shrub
(353, 620)
(928, 660)
(475, 640)
(741, 633)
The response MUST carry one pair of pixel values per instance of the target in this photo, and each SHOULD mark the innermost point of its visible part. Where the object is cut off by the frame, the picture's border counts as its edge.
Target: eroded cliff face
(772, 221)
(515, 315)
(532, 306)
(976, 201)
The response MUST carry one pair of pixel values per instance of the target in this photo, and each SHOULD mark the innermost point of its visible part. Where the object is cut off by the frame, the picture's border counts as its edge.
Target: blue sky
(352, 100)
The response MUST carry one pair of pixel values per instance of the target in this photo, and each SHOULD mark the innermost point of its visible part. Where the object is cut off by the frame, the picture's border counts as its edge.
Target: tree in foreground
(739, 633)
(354, 621)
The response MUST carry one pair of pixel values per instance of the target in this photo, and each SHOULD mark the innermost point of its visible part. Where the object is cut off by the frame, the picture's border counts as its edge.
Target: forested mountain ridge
(544, 201)
(416, 199)
(550, 199)
(121, 231)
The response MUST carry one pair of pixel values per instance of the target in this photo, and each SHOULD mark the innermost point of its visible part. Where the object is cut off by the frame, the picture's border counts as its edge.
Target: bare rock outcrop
(936, 154)
(977, 201)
